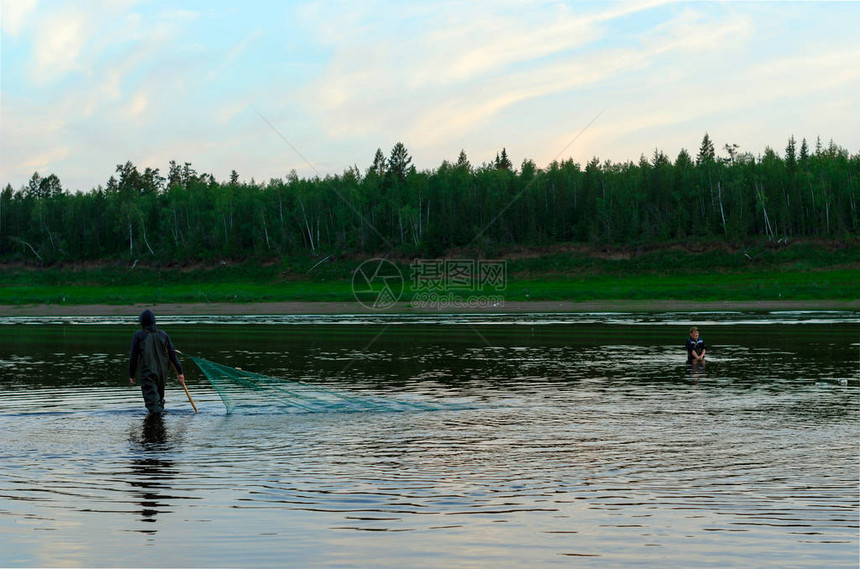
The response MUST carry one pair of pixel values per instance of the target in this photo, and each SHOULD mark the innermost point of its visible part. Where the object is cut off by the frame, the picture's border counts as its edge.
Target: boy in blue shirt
(695, 347)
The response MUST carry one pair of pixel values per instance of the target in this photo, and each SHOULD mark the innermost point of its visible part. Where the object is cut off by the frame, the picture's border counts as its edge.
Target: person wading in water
(152, 353)
(696, 348)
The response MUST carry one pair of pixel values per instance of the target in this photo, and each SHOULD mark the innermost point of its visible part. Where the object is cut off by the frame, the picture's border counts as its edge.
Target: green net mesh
(253, 391)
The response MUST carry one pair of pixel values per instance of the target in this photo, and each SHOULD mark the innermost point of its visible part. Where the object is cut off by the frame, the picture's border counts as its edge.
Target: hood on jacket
(147, 320)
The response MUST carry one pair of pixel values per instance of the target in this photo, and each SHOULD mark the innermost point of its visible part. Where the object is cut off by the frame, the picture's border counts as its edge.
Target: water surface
(552, 440)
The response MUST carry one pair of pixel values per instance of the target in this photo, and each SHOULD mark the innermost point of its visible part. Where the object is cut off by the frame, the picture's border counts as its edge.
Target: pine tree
(706, 151)
(400, 162)
(503, 162)
(379, 164)
(791, 154)
(463, 161)
(804, 152)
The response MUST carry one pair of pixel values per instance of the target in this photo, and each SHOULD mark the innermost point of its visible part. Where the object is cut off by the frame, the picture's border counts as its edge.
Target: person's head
(694, 333)
(147, 319)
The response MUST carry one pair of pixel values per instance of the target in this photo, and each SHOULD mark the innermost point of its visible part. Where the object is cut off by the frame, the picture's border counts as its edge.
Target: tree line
(392, 207)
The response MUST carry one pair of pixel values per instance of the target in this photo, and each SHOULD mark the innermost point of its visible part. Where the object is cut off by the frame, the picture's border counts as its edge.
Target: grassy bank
(798, 272)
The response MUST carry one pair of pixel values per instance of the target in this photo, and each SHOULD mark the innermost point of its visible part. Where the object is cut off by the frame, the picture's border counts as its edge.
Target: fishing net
(253, 391)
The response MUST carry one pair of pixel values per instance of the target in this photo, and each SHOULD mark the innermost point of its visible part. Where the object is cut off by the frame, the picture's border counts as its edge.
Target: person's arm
(174, 360)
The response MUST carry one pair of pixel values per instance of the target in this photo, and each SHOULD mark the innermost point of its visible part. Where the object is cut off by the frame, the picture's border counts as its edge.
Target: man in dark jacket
(152, 353)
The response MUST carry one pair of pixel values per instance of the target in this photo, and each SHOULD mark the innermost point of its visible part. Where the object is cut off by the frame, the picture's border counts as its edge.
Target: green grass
(170, 293)
(799, 272)
(724, 286)
(785, 285)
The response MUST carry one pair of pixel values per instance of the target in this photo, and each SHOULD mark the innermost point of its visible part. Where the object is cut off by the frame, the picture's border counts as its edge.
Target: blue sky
(87, 85)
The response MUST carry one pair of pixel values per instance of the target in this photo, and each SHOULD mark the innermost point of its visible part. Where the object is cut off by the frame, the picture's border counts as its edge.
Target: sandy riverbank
(406, 308)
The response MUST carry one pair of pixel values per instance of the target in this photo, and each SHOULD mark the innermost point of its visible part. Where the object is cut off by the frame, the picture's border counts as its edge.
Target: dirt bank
(406, 308)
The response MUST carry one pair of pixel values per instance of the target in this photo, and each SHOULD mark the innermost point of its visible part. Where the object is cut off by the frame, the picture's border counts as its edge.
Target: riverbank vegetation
(704, 227)
(391, 208)
(765, 271)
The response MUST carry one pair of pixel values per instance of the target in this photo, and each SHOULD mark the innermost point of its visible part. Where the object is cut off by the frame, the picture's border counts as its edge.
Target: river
(485, 441)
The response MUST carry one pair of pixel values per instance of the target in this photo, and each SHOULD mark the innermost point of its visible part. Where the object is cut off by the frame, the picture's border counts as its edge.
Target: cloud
(136, 106)
(811, 72)
(466, 65)
(693, 32)
(22, 152)
(590, 76)
(42, 161)
(90, 84)
(15, 15)
(97, 84)
(59, 40)
(487, 43)
(482, 46)
(177, 16)
(755, 105)
(235, 52)
(227, 111)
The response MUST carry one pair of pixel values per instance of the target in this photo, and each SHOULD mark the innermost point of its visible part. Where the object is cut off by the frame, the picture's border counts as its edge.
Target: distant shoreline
(217, 308)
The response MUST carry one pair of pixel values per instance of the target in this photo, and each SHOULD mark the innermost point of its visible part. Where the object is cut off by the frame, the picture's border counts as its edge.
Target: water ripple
(565, 451)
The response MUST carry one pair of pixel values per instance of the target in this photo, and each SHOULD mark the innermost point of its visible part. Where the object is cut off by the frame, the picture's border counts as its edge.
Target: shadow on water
(151, 472)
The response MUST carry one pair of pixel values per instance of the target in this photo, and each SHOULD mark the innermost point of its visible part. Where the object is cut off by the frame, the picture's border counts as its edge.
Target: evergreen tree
(683, 161)
(503, 162)
(379, 164)
(804, 152)
(706, 151)
(659, 159)
(791, 154)
(32, 190)
(463, 161)
(399, 162)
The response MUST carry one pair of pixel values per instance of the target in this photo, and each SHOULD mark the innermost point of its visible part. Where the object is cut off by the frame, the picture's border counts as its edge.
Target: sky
(263, 88)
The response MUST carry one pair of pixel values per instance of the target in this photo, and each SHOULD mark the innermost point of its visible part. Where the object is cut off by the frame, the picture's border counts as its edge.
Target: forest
(393, 208)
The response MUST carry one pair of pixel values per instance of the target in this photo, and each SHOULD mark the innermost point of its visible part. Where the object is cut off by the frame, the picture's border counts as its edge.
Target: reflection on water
(150, 472)
(586, 441)
(696, 370)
